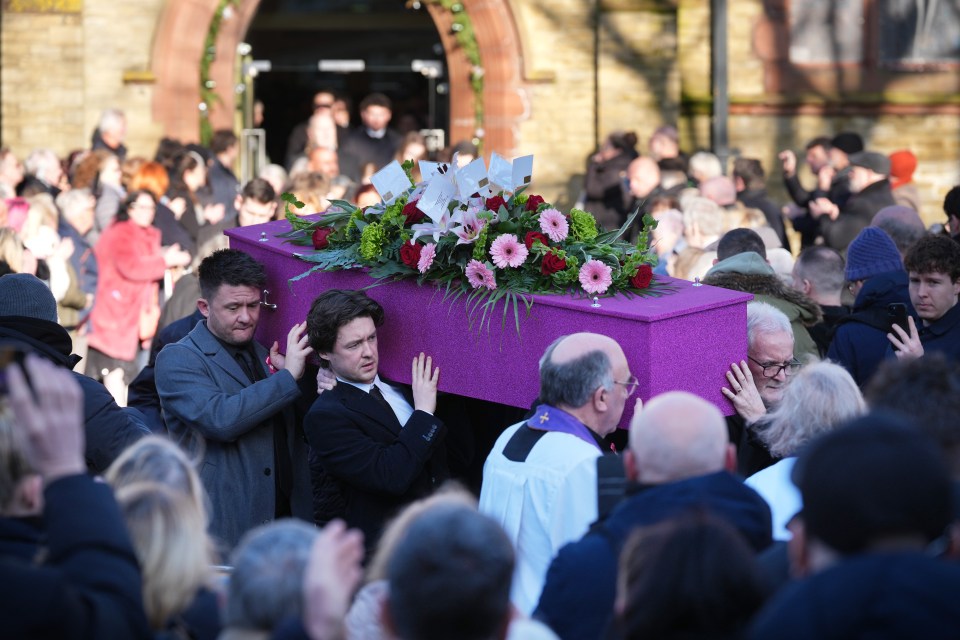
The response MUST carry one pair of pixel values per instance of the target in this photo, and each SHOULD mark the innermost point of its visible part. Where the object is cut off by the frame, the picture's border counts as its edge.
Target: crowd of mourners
(163, 475)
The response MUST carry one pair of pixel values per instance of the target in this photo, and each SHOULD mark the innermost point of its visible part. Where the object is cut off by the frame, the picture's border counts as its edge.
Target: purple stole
(548, 418)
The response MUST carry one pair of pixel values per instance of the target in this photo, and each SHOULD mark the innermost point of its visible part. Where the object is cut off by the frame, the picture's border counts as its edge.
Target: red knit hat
(902, 166)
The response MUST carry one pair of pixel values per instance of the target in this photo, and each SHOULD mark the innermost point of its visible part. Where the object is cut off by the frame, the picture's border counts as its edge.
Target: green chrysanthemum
(583, 226)
(371, 241)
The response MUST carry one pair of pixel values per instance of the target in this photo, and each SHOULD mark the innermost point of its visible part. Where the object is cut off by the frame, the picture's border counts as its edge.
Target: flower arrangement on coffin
(505, 246)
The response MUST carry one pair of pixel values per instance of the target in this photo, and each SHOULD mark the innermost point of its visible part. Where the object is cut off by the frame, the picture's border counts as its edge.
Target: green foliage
(373, 238)
(209, 97)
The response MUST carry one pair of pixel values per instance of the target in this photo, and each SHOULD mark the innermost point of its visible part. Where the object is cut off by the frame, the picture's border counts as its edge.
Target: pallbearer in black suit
(376, 445)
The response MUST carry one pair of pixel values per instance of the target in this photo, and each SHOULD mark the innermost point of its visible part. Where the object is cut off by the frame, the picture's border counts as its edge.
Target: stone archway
(182, 29)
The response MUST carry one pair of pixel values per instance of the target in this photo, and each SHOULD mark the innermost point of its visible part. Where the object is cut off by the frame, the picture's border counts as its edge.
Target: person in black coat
(372, 143)
(668, 476)
(871, 192)
(28, 319)
(878, 279)
(89, 585)
(376, 446)
(877, 496)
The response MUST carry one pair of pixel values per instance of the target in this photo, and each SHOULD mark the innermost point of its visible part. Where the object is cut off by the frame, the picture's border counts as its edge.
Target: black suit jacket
(365, 466)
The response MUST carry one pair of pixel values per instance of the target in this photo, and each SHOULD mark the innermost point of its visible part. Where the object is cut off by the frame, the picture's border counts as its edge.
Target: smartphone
(897, 314)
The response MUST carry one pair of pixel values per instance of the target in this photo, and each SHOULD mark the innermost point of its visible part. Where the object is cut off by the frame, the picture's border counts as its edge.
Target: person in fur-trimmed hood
(742, 266)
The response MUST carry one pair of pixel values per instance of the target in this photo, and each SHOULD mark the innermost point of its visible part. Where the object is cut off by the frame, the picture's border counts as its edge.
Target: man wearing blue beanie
(876, 278)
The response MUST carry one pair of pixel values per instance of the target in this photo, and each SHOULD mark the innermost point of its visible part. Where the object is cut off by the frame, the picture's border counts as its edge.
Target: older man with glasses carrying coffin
(757, 383)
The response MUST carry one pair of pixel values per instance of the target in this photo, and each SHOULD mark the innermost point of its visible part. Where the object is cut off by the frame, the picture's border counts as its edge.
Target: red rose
(319, 237)
(641, 279)
(533, 202)
(494, 203)
(410, 254)
(413, 214)
(551, 264)
(533, 236)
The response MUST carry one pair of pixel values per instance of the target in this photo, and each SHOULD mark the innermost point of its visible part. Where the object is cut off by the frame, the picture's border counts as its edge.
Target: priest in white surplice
(540, 479)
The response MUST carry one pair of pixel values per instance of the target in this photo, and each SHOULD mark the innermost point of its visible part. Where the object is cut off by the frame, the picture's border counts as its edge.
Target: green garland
(208, 96)
(462, 28)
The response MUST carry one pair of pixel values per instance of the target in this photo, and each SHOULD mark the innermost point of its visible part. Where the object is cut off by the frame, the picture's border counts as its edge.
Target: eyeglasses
(773, 370)
(323, 105)
(631, 384)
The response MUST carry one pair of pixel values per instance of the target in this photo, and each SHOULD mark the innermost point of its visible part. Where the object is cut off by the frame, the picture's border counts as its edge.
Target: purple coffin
(681, 341)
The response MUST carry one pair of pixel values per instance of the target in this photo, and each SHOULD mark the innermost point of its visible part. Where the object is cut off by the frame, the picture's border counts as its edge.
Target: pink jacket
(131, 262)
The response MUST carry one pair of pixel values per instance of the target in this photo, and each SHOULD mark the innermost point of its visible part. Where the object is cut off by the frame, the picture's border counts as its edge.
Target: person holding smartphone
(933, 266)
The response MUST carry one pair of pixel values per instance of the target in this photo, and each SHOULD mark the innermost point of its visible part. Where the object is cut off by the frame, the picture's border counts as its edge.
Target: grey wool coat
(211, 408)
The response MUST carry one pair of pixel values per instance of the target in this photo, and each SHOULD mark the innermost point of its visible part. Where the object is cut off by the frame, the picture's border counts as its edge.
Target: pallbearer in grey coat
(219, 398)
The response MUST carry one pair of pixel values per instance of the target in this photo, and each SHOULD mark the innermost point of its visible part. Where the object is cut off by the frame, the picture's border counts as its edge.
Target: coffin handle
(264, 303)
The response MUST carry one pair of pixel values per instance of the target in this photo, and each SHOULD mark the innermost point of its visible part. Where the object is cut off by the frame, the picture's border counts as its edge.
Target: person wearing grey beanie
(876, 278)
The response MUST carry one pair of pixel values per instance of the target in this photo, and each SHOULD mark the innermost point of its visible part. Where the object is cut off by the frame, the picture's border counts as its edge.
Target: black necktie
(378, 396)
(249, 365)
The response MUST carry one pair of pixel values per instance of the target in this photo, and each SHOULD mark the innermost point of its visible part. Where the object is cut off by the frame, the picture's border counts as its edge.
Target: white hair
(706, 214)
(818, 399)
(111, 120)
(765, 318)
(704, 165)
(73, 199)
(40, 162)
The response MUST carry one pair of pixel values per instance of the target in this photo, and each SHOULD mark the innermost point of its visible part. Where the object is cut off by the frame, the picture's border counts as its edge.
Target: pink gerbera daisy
(554, 224)
(479, 275)
(427, 254)
(507, 251)
(595, 276)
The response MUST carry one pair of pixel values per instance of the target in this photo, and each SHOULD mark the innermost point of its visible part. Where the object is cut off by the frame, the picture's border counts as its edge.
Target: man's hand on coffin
(297, 351)
(743, 393)
(425, 378)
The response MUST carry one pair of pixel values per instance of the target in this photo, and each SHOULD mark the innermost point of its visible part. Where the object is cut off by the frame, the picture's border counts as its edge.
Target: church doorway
(180, 39)
(353, 48)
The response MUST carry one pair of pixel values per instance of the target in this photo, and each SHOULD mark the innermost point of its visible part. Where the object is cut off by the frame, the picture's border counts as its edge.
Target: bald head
(677, 436)
(644, 176)
(580, 373)
(577, 345)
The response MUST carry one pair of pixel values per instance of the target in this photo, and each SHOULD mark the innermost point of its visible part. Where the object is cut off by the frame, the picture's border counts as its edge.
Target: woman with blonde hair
(155, 460)
(17, 258)
(819, 398)
(169, 538)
